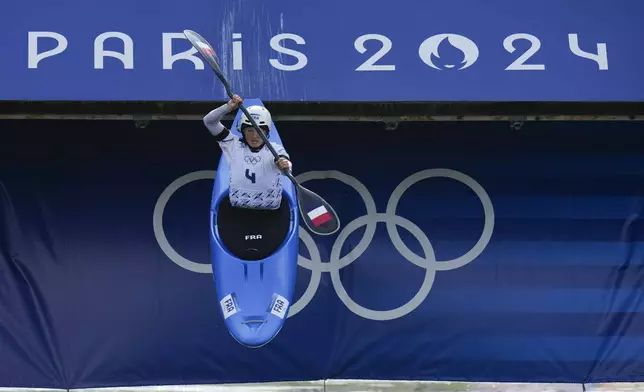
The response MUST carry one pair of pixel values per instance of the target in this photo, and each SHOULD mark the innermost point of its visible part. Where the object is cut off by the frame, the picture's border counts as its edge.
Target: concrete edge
(342, 385)
(308, 386)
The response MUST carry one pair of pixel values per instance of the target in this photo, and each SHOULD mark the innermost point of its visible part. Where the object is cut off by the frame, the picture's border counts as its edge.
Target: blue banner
(289, 50)
(472, 253)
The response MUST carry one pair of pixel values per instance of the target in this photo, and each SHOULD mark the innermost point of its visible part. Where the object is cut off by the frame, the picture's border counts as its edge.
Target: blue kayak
(254, 257)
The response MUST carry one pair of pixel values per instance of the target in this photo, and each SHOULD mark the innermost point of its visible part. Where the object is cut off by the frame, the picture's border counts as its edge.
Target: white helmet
(260, 114)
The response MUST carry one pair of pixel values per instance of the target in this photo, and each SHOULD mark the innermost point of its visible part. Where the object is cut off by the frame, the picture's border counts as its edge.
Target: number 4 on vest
(250, 176)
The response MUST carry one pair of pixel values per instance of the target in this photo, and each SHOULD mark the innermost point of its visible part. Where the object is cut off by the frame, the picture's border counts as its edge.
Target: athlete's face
(252, 137)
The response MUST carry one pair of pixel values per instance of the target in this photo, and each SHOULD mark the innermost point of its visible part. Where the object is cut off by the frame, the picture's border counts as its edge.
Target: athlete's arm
(212, 120)
(283, 160)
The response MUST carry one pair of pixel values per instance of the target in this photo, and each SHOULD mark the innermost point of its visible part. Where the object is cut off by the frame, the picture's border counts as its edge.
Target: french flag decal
(319, 216)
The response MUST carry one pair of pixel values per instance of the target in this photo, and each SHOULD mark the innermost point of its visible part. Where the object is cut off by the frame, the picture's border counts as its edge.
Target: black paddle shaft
(224, 81)
(307, 200)
(268, 144)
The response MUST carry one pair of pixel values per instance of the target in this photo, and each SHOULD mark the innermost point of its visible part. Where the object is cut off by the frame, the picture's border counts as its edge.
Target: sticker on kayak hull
(228, 306)
(280, 306)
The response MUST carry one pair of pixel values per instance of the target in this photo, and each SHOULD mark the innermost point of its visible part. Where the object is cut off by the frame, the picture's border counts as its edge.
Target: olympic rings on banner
(371, 219)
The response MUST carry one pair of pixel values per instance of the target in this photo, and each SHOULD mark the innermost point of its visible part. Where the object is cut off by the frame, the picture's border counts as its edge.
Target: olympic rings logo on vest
(429, 263)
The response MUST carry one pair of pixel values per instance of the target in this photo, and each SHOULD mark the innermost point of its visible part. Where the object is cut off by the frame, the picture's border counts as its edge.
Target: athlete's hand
(235, 102)
(283, 163)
